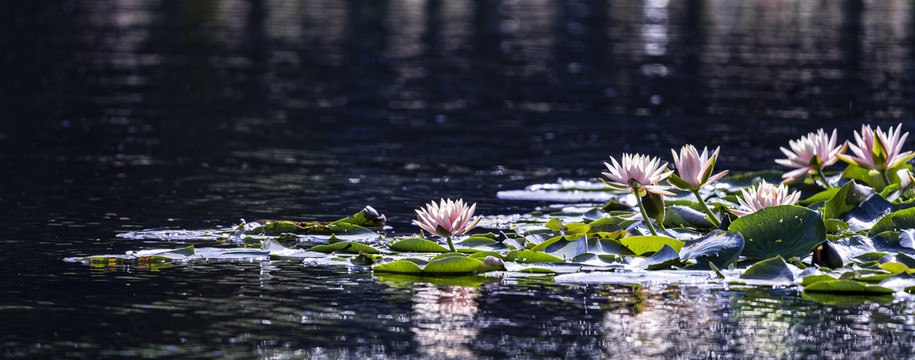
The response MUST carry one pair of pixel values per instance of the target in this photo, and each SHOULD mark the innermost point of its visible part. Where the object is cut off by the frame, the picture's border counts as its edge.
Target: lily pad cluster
(851, 234)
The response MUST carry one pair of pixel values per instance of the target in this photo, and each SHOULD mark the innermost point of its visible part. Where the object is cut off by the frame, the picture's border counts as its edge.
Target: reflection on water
(128, 114)
(444, 320)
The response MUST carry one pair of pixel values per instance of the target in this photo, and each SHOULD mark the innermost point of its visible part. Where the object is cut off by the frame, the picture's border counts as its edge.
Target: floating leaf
(807, 280)
(899, 282)
(454, 265)
(598, 260)
(466, 280)
(846, 287)
(721, 249)
(846, 300)
(645, 244)
(685, 216)
(819, 197)
(346, 246)
(845, 200)
(527, 256)
(896, 221)
(367, 217)
(418, 245)
(664, 258)
(399, 266)
(866, 215)
(774, 269)
(784, 230)
(476, 241)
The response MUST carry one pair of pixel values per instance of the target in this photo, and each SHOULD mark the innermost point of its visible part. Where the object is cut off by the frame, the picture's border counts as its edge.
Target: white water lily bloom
(877, 150)
(811, 153)
(448, 218)
(694, 169)
(764, 195)
(906, 178)
(640, 171)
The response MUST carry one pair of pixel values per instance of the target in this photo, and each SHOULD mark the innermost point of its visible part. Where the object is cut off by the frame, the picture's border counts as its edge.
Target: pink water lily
(694, 169)
(638, 172)
(810, 154)
(877, 150)
(446, 219)
(764, 195)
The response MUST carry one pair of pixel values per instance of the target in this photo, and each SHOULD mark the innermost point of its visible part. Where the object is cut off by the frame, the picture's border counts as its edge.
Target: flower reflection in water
(444, 320)
(661, 323)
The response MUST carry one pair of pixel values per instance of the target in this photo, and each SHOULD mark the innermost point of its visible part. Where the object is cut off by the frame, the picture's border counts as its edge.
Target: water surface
(127, 115)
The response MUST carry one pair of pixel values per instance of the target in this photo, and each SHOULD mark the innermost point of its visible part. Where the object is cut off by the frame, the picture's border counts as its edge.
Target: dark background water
(125, 115)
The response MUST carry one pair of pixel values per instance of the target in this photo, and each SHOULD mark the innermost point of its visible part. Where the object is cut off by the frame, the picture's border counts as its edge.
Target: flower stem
(822, 177)
(450, 245)
(886, 179)
(638, 199)
(711, 215)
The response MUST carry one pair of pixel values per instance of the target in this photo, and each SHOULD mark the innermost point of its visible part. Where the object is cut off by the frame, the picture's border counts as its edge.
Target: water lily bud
(494, 262)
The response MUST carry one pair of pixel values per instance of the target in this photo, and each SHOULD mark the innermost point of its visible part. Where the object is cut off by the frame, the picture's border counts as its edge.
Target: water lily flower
(877, 150)
(639, 173)
(810, 154)
(447, 219)
(906, 178)
(695, 171)
(765, 195)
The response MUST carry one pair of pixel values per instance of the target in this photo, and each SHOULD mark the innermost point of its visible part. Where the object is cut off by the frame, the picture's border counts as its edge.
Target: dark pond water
(124, 115)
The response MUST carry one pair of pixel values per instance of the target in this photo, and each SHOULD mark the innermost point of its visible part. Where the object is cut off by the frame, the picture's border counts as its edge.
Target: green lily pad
(527, 256)
(418, 245)
(868, 213)
(847, 300)
(784, 230)
(664, 258)
(845, 200)
(677, 216)
(645, 244)
(899, 282)
(721, 249)
(846, 287)
(774, 269)
(896, 221)
(347, 247)
(399, 266)
(807, 280)
(819, 197)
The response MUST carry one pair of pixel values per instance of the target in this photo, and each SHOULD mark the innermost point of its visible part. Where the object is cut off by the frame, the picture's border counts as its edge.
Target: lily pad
(866, 215)
(527, 256)
(347, 247)
(418, 245)
(784, 230)
(721, 249)
(896, 221)
(845, 200)
(645, 244)
(846, 287)
(774, 269)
